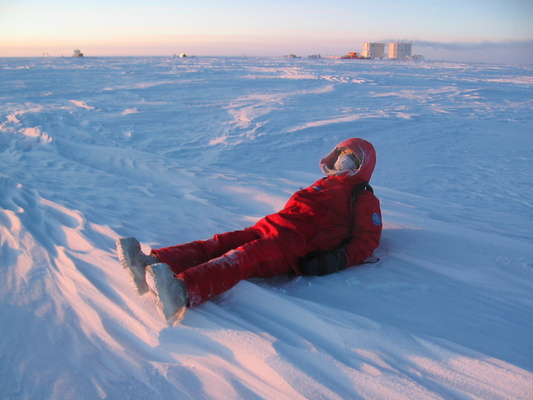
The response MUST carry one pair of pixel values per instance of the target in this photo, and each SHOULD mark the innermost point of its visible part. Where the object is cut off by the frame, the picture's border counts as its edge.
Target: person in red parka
(332, 224)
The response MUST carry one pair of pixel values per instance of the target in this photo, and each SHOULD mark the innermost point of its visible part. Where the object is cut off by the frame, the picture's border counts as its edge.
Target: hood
(363, 149)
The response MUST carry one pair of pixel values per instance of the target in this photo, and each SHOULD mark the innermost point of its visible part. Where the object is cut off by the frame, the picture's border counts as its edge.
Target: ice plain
(171, 150)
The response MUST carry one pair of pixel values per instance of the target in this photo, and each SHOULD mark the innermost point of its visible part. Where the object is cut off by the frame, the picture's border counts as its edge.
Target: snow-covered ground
(171, 150)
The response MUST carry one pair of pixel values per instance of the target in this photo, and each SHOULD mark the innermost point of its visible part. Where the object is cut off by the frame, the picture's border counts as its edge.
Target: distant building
(373, 50)
(351, 56)
(400, 51)
(77, 53)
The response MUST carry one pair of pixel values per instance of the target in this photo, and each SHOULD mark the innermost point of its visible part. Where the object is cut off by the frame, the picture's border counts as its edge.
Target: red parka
(322, 216)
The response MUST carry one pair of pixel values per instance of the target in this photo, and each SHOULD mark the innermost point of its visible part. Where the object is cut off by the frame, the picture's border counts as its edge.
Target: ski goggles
(345, 151)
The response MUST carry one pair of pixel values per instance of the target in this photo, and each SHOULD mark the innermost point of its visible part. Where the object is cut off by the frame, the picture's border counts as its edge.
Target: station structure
(397, 50)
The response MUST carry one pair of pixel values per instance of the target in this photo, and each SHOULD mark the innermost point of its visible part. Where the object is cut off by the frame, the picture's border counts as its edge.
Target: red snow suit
(320, 217)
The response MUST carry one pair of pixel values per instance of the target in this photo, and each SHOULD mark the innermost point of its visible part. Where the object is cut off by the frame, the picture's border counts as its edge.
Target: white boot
(171, 293)
(135, 261)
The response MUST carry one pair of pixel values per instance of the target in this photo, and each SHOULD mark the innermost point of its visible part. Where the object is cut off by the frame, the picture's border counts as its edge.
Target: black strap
(355, 193)
(357, 189)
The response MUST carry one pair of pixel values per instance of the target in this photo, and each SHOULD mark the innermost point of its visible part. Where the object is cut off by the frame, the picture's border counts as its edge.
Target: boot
(171, 293)
(135, 261)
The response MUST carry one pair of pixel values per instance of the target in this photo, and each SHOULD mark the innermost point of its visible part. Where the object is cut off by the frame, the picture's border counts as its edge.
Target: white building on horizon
(400, 51)
(373, 50)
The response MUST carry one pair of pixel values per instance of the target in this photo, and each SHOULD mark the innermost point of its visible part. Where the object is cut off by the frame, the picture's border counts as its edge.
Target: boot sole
(125, 258)
(163, 284)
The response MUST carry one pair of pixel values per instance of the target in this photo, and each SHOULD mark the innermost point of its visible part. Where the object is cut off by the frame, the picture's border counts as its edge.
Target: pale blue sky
(273, 27)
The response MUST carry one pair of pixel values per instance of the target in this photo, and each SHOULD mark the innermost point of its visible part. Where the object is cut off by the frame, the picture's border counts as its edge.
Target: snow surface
(171, 150)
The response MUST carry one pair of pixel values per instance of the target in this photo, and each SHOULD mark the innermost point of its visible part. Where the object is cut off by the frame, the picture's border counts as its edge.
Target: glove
(323, 263)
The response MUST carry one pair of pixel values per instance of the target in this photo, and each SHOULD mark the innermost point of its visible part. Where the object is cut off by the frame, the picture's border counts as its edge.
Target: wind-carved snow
(81, 104)
(173, 150)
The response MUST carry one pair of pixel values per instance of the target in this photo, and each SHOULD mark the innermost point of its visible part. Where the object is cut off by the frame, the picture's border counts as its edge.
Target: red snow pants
(211, 267)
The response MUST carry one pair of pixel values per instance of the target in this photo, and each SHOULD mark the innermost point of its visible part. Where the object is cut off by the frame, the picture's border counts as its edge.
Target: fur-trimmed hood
(363, 149)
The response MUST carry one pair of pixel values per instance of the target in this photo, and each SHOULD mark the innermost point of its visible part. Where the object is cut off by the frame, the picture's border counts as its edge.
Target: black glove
(323, 263)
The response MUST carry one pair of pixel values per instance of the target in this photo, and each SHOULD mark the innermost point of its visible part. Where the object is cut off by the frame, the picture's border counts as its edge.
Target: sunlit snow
(171, 150)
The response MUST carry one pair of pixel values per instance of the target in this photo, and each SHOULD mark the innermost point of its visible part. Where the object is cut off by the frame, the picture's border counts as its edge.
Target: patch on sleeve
(376, 219)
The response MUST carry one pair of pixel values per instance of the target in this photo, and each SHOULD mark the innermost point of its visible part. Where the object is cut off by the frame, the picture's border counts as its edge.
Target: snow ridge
(173, 150)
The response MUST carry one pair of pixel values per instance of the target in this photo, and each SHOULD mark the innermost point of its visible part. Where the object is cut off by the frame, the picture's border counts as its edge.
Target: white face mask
(344, 163)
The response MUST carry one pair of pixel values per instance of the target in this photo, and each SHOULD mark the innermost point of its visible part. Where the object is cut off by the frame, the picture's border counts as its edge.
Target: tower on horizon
(373, 50)
(400, 50)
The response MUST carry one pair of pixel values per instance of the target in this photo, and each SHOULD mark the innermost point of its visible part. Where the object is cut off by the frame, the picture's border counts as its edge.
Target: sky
(453, 30)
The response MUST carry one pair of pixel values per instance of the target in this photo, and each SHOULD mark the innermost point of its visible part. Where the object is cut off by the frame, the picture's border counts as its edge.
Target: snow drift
(171, 150)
